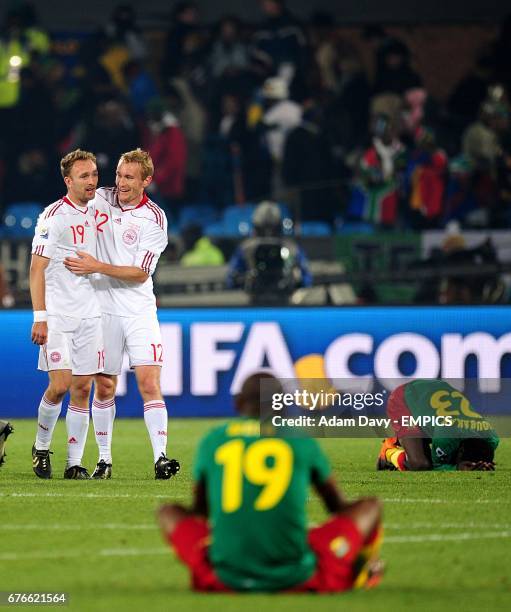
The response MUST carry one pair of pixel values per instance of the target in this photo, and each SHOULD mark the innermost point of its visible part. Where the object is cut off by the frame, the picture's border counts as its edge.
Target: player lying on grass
(246, 529)
(436, 447)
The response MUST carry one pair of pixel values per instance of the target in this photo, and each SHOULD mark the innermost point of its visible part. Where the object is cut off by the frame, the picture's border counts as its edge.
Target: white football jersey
(134, 236)
(63, 229)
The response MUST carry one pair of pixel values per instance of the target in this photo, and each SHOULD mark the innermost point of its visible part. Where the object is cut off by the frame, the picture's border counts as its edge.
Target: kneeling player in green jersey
(246, 530)
(469, 443)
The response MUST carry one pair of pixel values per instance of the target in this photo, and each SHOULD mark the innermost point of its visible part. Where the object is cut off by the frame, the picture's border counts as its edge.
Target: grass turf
(447, 534)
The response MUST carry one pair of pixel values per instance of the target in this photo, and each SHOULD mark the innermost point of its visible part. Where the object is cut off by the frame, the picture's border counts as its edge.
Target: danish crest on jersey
(130, 236)
(55, 356)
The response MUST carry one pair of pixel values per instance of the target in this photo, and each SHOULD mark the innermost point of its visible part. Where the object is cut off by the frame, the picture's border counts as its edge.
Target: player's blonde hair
(66, 163)
(139, 157)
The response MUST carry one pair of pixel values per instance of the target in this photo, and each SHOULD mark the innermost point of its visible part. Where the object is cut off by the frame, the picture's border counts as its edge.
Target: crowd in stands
(278, 110)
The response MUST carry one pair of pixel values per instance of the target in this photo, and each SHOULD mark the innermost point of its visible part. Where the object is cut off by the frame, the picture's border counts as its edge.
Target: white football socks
(103, 415)
(155, 417)
(77, 423)
(47, 417)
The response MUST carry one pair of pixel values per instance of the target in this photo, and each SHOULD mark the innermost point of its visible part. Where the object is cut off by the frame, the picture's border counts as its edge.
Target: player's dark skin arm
(332, 498)
(416, 457)
(476, 466)
(169, 515)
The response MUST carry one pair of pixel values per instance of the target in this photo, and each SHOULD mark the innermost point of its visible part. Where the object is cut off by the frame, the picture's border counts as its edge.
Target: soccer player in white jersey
(132, 234)
(67, 317)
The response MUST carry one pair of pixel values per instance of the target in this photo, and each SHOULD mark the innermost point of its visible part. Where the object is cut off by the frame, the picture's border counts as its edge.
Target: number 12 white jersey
(63, 229)
(134, 236)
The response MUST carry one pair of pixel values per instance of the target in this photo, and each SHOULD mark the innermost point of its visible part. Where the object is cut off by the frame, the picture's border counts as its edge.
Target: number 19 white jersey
(128, 237)
(63, 229)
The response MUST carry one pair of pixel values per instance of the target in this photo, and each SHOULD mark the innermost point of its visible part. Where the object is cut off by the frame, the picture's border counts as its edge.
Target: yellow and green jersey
(257, 492)
(437, 398)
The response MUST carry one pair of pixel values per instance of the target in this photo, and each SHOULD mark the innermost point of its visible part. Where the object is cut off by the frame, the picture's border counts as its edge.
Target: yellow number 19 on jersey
(251, 462)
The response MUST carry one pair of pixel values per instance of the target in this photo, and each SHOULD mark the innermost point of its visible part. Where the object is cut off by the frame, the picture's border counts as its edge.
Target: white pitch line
(67, 554)
(60, 527)
(140, 552)
(153, 526)
(440, 525)
(390, 500)
(94, 495)
(443, 537)
(426, 500)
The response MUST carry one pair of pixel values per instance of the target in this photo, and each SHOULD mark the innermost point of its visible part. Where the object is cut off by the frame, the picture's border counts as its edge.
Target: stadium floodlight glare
(15, 61)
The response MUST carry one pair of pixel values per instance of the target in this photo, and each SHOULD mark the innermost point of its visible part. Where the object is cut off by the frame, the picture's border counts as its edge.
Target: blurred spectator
(465, 101)
(32, 177)
(280, 116)
(20, 38)
(323, 37)
(141, 87)
(224, 168)
(199, 250)
(229, 54)
(186, 42)
(34, 114)
(501, 55)
(375, 194)
(280, 42)
(481, 140)
(309, 170)
(348, 111)
(395, 74)
(110, 133)
(268, 266)
(460, 200)
(165, 142)
(425, 178)
(482, 147)
(192, 120)
(122, 29)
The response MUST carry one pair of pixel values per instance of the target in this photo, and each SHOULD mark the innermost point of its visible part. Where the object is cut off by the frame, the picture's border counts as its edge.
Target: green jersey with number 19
(257, 492)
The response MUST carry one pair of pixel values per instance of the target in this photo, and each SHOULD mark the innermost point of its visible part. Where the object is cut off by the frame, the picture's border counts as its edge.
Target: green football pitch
(447, 538)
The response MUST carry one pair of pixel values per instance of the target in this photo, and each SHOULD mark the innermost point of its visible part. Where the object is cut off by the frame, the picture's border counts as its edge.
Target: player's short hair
(476, 449)
(139, 157)
(66, 163)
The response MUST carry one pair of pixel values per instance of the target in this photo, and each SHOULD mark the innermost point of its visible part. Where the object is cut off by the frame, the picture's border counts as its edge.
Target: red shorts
(336, 544)
(396, 409)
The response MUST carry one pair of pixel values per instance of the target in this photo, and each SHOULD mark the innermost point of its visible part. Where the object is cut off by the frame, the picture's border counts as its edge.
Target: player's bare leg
(48, 414)
(156, 419)
(77, 423)
(367, 516)
(169, 515)
(103, 415)
(418, 454)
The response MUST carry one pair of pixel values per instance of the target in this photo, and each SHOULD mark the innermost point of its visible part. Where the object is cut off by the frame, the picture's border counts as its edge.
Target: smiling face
(82, 181)
(130, 183)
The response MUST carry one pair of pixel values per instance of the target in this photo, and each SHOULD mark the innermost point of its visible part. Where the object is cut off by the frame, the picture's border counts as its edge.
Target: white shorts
(73, 344)
(139, 336)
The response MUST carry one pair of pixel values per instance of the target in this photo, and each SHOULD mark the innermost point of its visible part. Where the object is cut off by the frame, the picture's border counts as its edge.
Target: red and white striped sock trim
(78, 409)
(102, 405)
(48, 403)
(154, 404)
